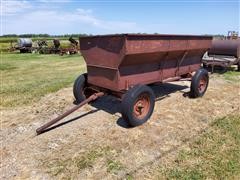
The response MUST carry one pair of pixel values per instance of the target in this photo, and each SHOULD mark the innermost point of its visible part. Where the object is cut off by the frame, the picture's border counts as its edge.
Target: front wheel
(199, 83)
(79, 88)
(138, 104)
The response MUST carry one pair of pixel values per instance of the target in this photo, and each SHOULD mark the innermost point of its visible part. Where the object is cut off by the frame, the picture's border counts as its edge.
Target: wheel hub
(141, 106)
(202, 85)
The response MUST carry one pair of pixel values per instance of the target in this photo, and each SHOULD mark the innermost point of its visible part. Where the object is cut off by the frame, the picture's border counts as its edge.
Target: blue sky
(120, 16)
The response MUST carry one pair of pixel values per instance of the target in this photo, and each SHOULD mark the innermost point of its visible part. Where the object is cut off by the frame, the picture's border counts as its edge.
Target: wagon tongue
(43, 128)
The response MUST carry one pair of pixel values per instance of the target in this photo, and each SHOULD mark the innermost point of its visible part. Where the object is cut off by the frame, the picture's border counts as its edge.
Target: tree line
(42, 35)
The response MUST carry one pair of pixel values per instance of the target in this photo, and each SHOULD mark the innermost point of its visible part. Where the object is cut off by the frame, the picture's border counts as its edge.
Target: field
(184, 139)
(27, 77)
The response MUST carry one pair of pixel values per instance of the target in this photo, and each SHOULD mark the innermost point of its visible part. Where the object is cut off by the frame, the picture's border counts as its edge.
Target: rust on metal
(225, 47)
(50, 123)
(202, 85)
(223, 53)
(141, 106)
(117, 62)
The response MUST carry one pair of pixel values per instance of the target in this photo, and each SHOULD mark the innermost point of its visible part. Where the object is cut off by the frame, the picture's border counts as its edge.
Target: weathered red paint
(117, 62)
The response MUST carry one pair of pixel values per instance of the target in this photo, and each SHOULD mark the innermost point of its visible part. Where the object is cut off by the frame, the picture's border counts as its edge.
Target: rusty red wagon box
(124, 65)
(117, 62)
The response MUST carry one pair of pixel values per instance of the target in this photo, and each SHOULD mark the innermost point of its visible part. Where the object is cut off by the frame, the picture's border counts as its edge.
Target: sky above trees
(119, 16)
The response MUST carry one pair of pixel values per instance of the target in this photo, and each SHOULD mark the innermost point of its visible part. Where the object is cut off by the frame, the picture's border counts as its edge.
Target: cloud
(84, 11)
(13, 7)
(53, 1)
(58, 22)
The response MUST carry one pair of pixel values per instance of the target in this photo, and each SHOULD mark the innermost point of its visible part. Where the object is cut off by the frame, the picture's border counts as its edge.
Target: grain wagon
(125, 65)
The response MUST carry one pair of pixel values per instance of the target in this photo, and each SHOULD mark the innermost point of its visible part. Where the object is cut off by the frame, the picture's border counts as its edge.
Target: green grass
(214, 155)
(4, 46)
(25, 78)
(114, 166)
(6, 66)
(233, 76)
(64, 167)
(8, 39)
(72, 166)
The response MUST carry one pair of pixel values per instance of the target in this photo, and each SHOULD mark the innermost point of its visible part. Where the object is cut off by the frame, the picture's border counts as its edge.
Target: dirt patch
(95, 142)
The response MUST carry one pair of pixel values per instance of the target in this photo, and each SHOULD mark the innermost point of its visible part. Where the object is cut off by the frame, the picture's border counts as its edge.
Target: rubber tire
(128, 102)
(195, 93)
(78, 88)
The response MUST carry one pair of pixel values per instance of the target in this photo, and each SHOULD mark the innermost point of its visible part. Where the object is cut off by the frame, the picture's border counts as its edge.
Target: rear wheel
(199, 83)
(138, 104)
(79, 88)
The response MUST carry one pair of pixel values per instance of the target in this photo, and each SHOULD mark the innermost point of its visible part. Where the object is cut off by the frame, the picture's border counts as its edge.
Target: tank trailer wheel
(138, 104)
(79, 88)
(23, 51)
(199, 83)
(204, 66)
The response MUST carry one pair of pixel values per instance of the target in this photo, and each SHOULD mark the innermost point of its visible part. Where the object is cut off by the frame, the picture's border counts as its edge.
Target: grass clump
(233, 76)
(72, 166)
(88, 160)
(114, 166)
(214, 155)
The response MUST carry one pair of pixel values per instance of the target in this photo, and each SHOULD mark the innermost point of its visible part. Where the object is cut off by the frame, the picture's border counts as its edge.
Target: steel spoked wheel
(141, 106)
(138, 104)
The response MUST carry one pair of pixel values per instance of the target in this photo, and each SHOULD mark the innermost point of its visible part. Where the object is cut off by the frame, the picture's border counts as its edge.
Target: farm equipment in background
(73, 49)
(224, 52)
(45, 49)
(232, 35)
(42, 46)
(24, 45)
(73, 42)
(56, 46)
(42, 43)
